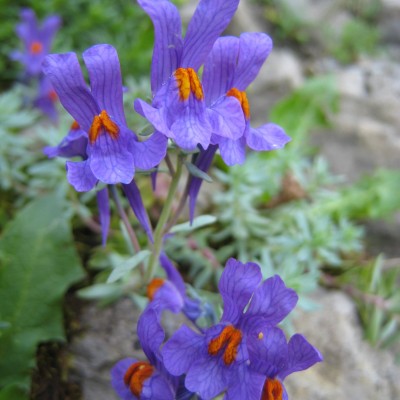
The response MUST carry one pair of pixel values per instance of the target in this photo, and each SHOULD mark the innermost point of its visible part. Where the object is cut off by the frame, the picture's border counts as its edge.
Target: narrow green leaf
(197, 172)
(127, 265)
(100, 291)
(202, 220)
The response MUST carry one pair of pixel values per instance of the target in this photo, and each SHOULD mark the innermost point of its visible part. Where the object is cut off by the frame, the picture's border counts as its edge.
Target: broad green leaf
(13, 392)
(38, 263)
(202, 220)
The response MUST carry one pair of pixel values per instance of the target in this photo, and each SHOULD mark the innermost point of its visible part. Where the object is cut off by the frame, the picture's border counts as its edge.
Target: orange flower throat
(188, 82)
(228, 340)
(136, 375)
(153, 286)
(242, 97)
(100, 122)
(272, 390)
(36, 47)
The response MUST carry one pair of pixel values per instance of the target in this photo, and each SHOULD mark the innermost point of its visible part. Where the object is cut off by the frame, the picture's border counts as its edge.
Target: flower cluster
(245, 355)
(37, 41)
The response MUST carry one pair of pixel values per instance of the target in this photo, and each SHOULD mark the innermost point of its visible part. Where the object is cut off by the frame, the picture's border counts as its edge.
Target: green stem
(165, 213)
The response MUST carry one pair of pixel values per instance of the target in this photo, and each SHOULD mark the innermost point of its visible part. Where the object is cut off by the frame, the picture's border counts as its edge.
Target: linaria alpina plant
(245, 355)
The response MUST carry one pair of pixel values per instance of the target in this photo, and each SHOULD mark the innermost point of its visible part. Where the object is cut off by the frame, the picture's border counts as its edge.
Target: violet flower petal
(149, 153)
(270, 304)
(182, 350)
(233, 151)
(208, 22)
(269, 354)
(167, 41)
(105, 79)
(65, 74)
(74, 144)
(266, 137)
(229, 118)
(167, 297)
(80, 176)
(135, 200)
(301, 355)
(151, 335)
(172, 273)
(111, 160)
(103, 204)
(219, 68)
(237, 284)
(49, 28)
(246, 385)
(154, 116)
(157, 387)
(207, 377)
(254, 49)
(203, 162)
(117, 379)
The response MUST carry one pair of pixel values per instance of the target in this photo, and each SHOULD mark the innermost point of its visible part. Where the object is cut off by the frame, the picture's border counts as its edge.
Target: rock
(351, 368)
(366, 130)
(248, 18)
(108, 336)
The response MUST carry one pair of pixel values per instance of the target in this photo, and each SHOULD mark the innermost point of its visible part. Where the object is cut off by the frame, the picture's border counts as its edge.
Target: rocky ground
(365, 135)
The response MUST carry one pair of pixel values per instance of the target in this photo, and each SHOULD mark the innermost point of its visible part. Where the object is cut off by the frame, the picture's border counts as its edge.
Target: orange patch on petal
(36, 47)
(153, 286)
(53, 95)
(75, 126)
(229, 340)
(272, 390)
(136, 375)
(242, 97)
(95, 129)
(103, 121)
(188, 82)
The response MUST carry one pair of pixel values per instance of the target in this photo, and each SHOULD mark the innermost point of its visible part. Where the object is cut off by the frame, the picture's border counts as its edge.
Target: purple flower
(178, 109)
(74, 144)
(145, 380)
(113, 150)
(36, 39)
(170, 293)
(218, 359)
(230, 68)
(46, 99)
(275, 359)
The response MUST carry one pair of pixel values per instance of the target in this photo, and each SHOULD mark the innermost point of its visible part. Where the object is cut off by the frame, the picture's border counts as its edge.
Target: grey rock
(109, 335)
(351, 368)
(366, 130)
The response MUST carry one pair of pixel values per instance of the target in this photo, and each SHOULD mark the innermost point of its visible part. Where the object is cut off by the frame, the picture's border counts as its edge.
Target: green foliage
(356, 38)
(370, 198)
(14, 157)
(287, 22)
(38, 262)
(375, 288)
(306, 109)
(120, 23)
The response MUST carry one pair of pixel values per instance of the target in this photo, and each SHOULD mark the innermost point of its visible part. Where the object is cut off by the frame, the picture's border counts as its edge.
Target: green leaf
(127, 265)
(197, 172)
(198, 222)
(38, 264)
(100, 291)
(13, 392)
